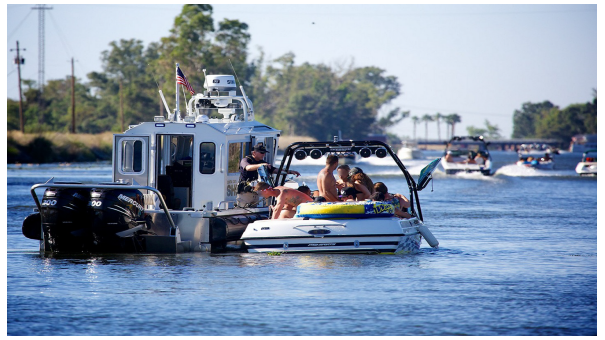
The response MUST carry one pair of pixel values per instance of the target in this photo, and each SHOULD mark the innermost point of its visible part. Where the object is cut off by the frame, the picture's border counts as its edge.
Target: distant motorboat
(536, 156)
(588, 165)
(467, 154)
(409, 151)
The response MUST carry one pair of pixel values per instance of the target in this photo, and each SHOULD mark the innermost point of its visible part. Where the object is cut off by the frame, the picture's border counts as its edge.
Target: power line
(62, 37)
(16, 28)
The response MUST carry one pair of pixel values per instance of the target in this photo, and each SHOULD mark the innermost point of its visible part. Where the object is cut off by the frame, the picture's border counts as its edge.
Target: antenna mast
(41, 9)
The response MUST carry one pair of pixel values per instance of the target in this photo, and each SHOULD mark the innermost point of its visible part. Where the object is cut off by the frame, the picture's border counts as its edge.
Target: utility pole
(20, 61)
(121, 106)
(73, 98)
(41, 9)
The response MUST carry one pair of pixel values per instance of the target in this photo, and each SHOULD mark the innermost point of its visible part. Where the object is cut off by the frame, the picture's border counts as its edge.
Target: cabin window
(235, 156)
(207, 158)
(132, 156)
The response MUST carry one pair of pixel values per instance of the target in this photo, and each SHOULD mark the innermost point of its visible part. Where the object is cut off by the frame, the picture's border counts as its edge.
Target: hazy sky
(480, 61)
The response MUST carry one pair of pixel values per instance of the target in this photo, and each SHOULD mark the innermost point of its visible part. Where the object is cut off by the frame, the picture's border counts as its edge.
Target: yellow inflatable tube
(365, 209)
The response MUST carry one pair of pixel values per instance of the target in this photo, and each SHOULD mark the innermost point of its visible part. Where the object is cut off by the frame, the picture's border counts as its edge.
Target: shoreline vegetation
(51, 147)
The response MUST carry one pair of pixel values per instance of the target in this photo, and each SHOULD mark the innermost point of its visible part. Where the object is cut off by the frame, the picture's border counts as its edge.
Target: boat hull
(378, 235)
(587, 168)
(549, 165)
(454, 168)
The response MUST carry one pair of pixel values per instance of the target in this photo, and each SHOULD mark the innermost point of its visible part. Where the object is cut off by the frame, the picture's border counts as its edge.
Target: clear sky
(480, 61)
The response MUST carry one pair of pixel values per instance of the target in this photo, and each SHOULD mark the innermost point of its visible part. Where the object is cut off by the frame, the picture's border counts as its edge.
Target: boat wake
(514, 170)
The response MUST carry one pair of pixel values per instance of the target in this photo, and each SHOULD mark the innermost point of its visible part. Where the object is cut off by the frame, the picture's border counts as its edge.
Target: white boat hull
(410, 153)
(587, 168)
(454, 167)
(375, 235)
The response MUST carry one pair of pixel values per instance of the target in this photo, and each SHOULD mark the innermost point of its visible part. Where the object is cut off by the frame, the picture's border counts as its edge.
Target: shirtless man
(326, 183)
(287, 199)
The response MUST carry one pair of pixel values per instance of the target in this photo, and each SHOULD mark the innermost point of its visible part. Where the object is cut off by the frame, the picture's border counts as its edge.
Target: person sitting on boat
(326, 183)
(362, 183)
(343, 174)
(400, 202)
(530, 161)
(348, 194)
(481, 158)
(248, 166)
(287, 199)
(471, 158)
(305, 190)
(448, 157)
(319, 199)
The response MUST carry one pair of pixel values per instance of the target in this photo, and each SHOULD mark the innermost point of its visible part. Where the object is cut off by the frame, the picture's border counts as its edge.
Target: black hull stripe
(327, 236)
(324, 244)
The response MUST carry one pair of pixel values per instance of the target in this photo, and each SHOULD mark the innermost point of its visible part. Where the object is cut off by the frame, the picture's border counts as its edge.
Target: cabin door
(131, 159)
(174, 164)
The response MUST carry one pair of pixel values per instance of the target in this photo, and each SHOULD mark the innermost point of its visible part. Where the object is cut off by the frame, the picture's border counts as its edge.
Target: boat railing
(50, 184)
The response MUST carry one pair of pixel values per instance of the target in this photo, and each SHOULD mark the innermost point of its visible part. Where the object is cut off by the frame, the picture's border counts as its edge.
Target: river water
(517, 256)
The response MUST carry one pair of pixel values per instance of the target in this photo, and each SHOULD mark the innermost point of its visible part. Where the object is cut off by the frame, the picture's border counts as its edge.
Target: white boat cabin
(194, 160)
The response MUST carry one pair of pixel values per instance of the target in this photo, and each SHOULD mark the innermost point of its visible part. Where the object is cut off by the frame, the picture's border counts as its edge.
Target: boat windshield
(464, 147)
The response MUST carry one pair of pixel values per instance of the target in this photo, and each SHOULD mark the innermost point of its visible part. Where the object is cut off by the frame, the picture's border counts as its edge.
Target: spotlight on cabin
(316, 154)
(300, 155)
(365, 152)
(381, 153)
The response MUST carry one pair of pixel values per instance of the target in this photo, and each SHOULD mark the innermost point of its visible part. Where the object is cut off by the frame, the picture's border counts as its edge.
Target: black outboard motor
(116, 211)
(65, 219)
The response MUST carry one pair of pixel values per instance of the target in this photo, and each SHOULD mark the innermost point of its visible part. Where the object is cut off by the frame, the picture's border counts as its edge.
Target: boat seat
(167, 189)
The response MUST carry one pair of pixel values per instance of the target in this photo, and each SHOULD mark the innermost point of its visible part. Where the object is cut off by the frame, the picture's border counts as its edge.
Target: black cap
(260, 148)
(355, 171)
(348, 191)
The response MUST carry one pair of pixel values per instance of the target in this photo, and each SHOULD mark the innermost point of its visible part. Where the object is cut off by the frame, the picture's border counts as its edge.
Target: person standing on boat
(248, 166)
(326, 183)
(287, 199)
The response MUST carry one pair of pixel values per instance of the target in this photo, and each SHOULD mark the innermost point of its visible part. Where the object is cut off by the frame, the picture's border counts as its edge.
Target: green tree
(524, 120)
(127, 62)
(490, 131)
(437, 118)
(452, 120)
(415, 121)
(391, 118)
(426, 119)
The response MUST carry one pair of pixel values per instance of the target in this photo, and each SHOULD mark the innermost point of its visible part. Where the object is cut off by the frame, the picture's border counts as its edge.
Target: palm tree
(454, 118)
(426, 119)
(437, 117)
(415, 120)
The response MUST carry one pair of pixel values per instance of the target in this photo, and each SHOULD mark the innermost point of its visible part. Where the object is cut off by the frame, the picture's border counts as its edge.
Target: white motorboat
(537, 156)
(409, 151)
(370, 228)
(467, 154)
(588, 165)
(175, 183)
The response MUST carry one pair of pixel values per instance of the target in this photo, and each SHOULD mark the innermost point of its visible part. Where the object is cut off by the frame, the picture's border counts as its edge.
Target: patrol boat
(344, 227)
(175, 183)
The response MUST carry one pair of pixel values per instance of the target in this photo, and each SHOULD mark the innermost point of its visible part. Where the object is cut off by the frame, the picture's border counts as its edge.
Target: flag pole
(176, 111)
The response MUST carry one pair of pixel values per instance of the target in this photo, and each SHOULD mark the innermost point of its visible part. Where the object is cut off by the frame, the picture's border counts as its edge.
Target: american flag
(181, 79)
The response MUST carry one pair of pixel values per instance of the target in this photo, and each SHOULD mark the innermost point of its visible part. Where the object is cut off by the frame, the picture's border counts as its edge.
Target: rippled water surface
(517, 256)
